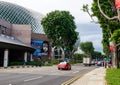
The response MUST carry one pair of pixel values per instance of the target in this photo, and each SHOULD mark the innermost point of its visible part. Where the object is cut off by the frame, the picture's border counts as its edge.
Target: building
(19, 28)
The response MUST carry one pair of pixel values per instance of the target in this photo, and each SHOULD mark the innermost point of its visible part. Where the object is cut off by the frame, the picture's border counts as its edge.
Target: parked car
(99, 63)
(92, 62)
(64, 66)
(96, 62)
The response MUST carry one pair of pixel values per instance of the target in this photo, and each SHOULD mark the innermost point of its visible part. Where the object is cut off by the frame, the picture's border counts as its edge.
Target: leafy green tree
(108, 26)
(116, 36)
(96, 54)
(59, 27)
(87, 48)
(78, 58)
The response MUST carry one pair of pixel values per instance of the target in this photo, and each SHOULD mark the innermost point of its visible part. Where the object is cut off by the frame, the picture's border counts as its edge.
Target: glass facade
(16, 14)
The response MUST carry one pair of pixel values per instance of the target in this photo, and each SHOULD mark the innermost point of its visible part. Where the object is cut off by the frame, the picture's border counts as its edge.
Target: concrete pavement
(95, 77)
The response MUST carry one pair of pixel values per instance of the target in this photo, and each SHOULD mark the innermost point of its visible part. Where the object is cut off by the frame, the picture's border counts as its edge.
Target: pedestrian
(105, 64)
(24, 63)
(109, 64)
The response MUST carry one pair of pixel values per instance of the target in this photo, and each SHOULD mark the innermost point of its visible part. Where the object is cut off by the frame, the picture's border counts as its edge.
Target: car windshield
(63, 62)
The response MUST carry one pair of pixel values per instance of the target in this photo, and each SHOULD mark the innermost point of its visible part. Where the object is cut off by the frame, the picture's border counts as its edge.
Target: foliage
(50, 62)
(113, 76)
(96, 54)
(78, 58)
(33, 63)
(108, 26)
(59, 26)
(15, 63)
(54, 61)
(116, 36)
(87, 48)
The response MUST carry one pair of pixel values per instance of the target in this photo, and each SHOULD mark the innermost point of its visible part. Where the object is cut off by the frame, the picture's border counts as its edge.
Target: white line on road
(53, 71)
(32, 79)
(76, 72)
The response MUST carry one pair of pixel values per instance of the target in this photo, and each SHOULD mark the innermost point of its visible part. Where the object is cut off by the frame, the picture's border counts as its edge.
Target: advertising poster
(42, 47)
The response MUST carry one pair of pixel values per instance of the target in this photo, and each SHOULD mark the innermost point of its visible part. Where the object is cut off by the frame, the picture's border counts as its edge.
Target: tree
(116, 38)
(87, 48)
(97, 54)
(78, 58)
(106, 31)
(59, 27)
(109, 25)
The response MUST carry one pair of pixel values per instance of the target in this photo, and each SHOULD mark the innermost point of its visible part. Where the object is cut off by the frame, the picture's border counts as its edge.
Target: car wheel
(60, 68)
(69, 68)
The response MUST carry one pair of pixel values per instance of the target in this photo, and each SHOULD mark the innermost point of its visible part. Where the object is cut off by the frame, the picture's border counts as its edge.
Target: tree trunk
(118, 60)
(114, 58)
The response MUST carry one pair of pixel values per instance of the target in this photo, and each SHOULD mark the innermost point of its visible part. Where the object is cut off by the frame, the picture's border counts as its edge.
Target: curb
(12, 67)
(70, 81)
(106, 82)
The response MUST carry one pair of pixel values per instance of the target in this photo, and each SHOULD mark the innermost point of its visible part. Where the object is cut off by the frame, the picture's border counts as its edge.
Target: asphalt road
(40, 75)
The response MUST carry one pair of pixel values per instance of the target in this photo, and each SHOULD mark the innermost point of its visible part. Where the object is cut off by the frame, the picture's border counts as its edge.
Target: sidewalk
(95, 77)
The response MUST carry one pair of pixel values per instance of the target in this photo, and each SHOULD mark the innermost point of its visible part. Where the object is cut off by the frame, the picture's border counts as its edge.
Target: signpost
(111, 48)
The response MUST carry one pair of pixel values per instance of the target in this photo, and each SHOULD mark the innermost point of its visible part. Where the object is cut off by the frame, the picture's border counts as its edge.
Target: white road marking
(10, 84)
(53, 71)
(32, 79)
(76, 72)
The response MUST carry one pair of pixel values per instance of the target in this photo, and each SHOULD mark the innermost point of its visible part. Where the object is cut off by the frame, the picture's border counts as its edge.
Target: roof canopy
(13, 43)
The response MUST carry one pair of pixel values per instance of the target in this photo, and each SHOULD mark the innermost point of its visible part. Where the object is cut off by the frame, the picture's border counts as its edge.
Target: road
(40, 75)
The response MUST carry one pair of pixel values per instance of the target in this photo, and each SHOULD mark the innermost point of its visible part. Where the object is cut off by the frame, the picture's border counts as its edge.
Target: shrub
(34, 63)
(15, 63)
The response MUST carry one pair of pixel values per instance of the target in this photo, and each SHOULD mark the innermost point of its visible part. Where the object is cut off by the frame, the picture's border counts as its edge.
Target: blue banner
(42, 47)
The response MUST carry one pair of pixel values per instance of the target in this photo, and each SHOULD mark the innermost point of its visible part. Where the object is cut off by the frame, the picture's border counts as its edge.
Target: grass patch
(113, 76)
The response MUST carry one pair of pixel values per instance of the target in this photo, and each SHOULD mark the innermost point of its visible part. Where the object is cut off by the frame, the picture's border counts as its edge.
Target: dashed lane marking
(76, 72)
(32, 79)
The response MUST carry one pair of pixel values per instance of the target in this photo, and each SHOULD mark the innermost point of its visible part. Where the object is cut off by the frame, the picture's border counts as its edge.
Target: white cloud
(90, 32)
(95, 39)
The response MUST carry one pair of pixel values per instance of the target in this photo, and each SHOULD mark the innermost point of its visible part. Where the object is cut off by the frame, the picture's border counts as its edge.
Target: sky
(88, 31)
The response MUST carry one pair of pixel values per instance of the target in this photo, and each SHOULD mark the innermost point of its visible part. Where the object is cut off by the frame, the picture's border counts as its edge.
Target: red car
(64, 65)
